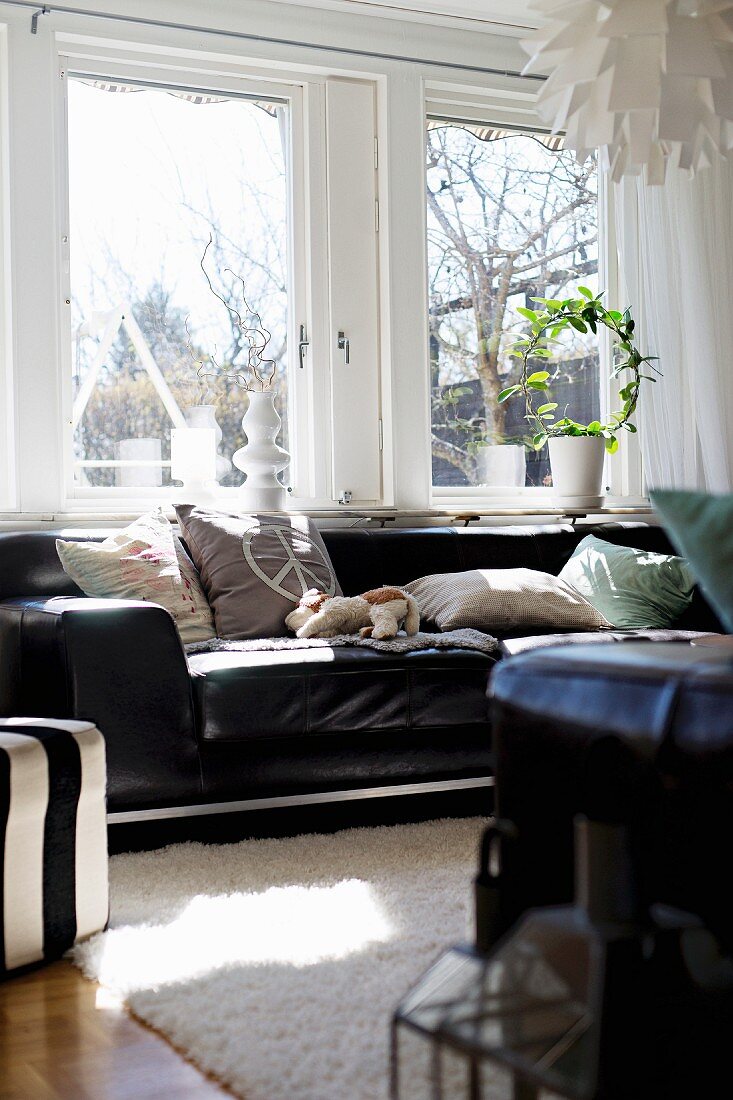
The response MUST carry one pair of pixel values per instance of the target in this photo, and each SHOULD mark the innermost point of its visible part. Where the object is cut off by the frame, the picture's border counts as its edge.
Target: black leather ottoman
(672, 707)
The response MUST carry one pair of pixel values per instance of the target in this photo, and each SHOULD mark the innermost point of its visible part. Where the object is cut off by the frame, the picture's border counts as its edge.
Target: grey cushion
(502, 599)
(254, 569)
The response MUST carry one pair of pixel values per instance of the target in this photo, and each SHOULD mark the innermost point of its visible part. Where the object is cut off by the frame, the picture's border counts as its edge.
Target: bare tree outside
(510, 217)
(180, 172)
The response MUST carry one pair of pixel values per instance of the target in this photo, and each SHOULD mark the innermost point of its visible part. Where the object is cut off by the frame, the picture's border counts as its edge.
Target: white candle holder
(193, 461)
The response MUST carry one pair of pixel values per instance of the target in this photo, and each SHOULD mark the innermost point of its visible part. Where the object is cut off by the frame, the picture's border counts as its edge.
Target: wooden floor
(62, 1038)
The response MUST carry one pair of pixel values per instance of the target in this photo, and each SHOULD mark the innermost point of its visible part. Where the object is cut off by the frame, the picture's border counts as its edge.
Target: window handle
(343, 345)
(303, 345)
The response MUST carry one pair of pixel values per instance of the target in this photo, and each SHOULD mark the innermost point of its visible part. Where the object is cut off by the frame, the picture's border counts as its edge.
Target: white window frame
(33, 321)
(300, 405)
(8, 486)
(49, 451)
(509, 104)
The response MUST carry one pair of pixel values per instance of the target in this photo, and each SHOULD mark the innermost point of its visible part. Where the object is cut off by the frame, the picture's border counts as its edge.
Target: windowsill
(460, 513)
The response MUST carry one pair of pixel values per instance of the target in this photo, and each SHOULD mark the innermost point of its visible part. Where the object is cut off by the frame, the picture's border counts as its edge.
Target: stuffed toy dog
(377, 614)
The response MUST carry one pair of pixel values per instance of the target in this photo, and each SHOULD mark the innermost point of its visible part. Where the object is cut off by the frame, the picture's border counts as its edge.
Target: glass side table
(513, 1009)
(606, 999)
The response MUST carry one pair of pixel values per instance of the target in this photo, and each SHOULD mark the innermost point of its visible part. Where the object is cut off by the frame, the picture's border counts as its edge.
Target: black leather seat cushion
(510, 647)
(287, 693)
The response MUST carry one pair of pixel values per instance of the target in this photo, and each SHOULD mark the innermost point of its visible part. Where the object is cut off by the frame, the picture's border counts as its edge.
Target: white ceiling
(512, 12)
(511, 15)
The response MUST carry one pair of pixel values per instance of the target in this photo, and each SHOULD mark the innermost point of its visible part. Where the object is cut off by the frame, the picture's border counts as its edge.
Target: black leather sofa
(236, 730)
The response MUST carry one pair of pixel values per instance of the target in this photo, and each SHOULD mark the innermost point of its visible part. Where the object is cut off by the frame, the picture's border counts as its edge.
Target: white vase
(577, 470)
(501, 465)
(261, 459)
(204, 416)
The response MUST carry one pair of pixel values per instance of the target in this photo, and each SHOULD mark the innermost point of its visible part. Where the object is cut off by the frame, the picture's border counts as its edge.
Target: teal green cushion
(700, 526)
(634, 589)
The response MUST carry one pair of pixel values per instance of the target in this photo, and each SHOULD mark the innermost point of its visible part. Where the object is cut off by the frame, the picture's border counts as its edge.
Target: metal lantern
(594, 1001)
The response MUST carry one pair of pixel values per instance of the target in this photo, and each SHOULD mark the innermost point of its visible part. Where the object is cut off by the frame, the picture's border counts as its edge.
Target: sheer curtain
(676, 251)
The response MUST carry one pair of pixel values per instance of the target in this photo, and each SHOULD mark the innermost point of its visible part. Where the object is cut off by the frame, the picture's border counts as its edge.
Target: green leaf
(578, 324)
(507, 393)
(528, 313)
(539, 440)
(612, 444)
(594, 427)
(630, 427)
(585, 292)
(539, 376)
(537, 385)
(549, 407)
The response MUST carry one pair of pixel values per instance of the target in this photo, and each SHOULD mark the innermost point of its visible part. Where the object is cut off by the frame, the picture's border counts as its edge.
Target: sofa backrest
(366, 557)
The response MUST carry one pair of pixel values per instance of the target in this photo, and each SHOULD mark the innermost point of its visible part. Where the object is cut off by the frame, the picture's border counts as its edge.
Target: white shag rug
(275, 964)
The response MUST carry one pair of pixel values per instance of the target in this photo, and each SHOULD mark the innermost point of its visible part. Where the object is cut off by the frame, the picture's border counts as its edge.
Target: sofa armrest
(119, 664)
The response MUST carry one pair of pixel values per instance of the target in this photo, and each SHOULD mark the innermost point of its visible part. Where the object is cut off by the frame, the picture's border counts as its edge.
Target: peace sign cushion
(255, 568)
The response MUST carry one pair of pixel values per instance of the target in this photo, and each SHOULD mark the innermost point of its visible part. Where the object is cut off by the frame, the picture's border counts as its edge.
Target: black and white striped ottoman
(53, 838)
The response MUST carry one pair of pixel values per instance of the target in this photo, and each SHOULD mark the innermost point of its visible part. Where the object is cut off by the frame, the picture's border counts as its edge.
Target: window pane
(155, 174)
(510, 216)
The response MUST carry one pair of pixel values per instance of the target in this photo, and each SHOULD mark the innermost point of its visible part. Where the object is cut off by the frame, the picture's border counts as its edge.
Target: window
(511, 216)
(170, 190)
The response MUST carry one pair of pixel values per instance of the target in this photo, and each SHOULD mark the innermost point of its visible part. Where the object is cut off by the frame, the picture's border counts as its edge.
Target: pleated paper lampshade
(648, 82)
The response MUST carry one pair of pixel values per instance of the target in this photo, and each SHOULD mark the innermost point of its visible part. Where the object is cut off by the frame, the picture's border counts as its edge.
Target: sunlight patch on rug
(299, 925)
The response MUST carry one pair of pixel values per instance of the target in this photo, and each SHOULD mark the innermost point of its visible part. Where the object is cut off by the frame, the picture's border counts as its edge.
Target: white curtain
(676, 252)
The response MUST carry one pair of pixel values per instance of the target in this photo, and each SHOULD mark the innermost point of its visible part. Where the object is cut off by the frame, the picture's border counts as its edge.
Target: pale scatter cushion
(503, 599)
(634, 589)
(255, 568)
(145, 561)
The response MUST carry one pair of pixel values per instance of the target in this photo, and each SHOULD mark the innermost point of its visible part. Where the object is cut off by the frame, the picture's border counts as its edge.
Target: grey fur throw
(449, 639)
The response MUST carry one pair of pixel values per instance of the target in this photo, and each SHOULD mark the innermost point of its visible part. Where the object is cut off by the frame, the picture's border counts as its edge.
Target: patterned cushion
(53, 838)
(503, 599)
(145, 561)
(255, 568)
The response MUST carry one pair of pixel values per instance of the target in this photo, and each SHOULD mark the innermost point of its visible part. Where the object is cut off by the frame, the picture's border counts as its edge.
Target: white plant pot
(261, 459)
(577, 470)
(501, 465)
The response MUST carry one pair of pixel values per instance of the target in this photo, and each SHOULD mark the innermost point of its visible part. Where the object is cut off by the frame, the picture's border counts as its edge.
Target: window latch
(343, 345)
(303, 344)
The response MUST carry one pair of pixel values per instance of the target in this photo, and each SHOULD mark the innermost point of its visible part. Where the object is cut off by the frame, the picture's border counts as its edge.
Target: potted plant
(576, 450)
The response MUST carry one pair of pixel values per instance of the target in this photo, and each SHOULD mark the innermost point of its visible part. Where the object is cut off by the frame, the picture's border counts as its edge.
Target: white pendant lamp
(648, 82)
